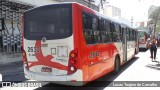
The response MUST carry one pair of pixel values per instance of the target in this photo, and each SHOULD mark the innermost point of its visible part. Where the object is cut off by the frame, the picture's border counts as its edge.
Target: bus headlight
(62, 51)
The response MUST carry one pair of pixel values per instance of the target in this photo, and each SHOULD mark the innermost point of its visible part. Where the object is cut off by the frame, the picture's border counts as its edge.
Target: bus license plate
(46, 69)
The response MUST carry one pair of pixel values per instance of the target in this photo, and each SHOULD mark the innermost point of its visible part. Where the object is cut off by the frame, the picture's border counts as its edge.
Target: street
(141, 68)
(69, 41)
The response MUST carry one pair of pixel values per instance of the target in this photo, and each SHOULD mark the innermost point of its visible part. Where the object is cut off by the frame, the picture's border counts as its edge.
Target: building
(115, 12)
(10, 30)
(112, 11)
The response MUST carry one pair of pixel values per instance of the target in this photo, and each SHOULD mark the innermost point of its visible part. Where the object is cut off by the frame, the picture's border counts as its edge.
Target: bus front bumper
(142, 46)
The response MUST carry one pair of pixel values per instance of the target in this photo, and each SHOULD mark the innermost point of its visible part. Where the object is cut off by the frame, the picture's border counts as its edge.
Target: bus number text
(33, 49)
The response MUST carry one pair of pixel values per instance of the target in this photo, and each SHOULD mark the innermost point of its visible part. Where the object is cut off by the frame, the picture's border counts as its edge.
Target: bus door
(124, 44)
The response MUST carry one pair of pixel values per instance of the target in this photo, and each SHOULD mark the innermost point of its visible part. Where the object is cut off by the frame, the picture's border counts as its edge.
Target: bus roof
(96, 12)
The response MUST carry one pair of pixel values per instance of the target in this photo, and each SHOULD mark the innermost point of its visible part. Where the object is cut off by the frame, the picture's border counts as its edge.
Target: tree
(155, 16)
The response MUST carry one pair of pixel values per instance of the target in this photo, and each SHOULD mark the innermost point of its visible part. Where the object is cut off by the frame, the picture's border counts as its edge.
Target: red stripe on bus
(45, 60)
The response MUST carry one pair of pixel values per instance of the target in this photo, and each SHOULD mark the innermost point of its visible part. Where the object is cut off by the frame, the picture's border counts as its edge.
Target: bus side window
(91, 28)
(106, 31)
(133, 35)
(130, 34)
(127, 34)
(121, 33)
(116, 32)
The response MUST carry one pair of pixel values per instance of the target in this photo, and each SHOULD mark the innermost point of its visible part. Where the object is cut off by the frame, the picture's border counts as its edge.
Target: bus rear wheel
(116, 65)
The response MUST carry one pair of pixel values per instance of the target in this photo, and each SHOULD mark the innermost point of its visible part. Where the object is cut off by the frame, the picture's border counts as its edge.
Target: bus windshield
(141, 35)
(51, 22)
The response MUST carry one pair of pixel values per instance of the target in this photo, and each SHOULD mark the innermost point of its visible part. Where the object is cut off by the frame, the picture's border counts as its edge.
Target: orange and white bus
(70, 42)
(143, 37)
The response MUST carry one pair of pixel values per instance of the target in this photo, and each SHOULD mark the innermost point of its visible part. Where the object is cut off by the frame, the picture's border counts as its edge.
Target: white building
(112, 11)
(115, 12)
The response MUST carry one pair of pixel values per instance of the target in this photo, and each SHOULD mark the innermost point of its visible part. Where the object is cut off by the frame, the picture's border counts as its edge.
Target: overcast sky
(138, 9)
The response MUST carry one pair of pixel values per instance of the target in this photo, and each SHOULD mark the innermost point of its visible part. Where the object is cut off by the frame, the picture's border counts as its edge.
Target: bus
(143, 36)
(73, 43)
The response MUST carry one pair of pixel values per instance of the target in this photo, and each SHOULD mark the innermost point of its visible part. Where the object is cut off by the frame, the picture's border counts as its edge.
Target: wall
(10, 58)
(15, 57)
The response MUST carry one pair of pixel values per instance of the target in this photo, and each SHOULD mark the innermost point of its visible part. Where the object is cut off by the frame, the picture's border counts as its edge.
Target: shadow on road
(154, 66)
(98, 84)
(142, 50)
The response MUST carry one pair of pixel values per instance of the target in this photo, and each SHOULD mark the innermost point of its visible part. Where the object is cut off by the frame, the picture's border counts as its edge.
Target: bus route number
(33, 49)
(94, 54)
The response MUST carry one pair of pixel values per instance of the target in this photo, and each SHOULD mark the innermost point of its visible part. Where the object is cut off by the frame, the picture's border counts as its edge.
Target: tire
(116, 65)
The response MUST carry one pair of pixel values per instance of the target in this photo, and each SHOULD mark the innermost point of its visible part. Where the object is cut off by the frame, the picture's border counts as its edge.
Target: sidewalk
(10, 58)
(143, 69)
(10, 64)
(10, 70)
(157, 55)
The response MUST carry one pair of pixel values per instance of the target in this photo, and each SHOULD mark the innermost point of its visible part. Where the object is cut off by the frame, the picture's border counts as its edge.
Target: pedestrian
(148, 44)
(153, 47)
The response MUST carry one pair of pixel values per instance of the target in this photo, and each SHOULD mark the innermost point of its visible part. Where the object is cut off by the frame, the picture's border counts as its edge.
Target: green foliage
(141, 28)
(151, 11)
(154, 14)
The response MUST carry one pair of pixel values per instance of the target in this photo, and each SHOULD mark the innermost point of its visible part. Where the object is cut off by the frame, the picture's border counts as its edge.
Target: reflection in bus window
(106, 31)
(91, 29)
(116, 33)
(50, 23)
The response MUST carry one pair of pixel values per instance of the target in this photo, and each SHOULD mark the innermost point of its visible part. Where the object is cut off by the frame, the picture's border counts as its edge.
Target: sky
(138, 9)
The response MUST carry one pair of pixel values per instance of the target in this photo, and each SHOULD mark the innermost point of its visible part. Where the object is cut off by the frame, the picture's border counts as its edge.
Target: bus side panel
(81, 43)
(105, 62)
(76, 37)
(96, 67)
